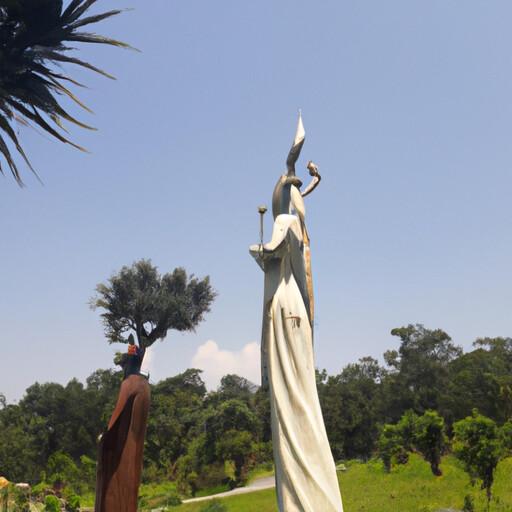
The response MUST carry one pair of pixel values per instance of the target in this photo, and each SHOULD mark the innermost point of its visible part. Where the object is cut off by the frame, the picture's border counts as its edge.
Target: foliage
(430, 439)
(424, 434)
(21, 495)
(51, 504)
(350, 407)
(477, 444)
(480, 379)
(238, 447)
(469, 504)
(73, 503)
(34, 43)
(200, 440)
(61, 470)
(506, 437)
(138, 300)
(419, 370)
(391, 446)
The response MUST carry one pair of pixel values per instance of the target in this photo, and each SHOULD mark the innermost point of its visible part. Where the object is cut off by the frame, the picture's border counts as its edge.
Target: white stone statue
(305, 472)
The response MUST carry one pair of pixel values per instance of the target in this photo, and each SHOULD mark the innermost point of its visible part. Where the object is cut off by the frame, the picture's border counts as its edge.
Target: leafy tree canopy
(138, 300)
(477, 443)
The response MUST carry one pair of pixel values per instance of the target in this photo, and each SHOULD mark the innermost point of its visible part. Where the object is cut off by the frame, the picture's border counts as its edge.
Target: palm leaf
(33, 37)
(95, 19)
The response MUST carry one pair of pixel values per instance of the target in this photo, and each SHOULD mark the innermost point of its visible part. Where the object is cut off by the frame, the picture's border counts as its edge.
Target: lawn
(409, 488)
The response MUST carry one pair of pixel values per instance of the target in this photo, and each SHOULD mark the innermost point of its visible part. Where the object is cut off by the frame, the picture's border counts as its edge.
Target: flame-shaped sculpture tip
(298, 142)
(300, 134)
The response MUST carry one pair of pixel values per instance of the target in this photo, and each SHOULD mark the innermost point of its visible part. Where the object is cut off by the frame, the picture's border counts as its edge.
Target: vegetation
(478, 444)
(35, 39)
(139, 301)
(199, 442)
(51, 504)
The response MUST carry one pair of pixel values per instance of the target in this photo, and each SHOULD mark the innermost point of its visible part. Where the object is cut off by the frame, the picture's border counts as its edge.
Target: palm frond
(33, 43)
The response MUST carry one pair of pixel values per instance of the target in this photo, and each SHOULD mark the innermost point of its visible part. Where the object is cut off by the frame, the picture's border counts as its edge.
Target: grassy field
(410, 488)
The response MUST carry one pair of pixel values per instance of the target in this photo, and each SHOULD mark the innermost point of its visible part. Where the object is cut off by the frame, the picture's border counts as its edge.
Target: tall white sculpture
(305, 472)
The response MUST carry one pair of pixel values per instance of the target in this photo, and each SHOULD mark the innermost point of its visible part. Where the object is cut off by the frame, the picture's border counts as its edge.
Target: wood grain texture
(121, 449)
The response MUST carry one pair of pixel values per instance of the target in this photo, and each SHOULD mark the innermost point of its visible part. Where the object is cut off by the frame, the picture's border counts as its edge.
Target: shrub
(429, 439)
(173, 499)
(52, 504)
(469, 504)
(477, 443)
(391, 447)
(21, 494)
(73, 503)
(40, 490)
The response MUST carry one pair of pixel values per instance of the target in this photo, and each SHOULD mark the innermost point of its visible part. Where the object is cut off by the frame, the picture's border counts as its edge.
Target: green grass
(410, 488)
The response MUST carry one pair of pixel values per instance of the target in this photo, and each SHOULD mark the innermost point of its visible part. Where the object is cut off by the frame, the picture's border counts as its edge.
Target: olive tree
(140, 303)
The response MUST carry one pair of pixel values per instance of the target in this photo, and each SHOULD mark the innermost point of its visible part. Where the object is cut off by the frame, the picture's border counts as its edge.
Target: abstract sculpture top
(288, 199)
(286, 194)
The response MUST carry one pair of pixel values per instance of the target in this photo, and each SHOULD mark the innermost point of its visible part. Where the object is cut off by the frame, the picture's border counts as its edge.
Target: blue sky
(408, 113)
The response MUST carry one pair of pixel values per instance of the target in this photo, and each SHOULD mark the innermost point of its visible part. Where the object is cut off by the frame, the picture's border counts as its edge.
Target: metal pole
(262, 210)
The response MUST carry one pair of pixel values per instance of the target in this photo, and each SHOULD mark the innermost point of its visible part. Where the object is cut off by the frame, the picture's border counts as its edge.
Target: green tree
(62, 471)
(506, 437)
(419, 370)
(234, 387)
(35, 40)
(391, 446)
(430, 440)
(176, 407)
(478, 445)
(480, 379)
(139, 301)
(350, 405)
(17, 448)
(186, 474)
(407, 427)
(236, 446)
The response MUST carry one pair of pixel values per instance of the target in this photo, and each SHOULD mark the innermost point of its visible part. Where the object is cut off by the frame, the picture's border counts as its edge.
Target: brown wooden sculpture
(122, 445)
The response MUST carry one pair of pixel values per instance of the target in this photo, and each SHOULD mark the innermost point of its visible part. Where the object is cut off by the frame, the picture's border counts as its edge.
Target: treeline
(427, 373)
(202, 439)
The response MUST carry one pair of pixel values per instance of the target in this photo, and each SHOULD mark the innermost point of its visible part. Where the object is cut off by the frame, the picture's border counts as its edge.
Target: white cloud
(216, 363)
(147, 363)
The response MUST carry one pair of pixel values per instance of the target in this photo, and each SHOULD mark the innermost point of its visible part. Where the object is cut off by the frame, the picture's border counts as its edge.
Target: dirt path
(256, 485)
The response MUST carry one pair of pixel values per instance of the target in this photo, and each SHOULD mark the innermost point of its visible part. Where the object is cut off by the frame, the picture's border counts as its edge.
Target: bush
(391, 447)
(21, 494)
(52, 504)
(477, 443)
(40, 490)
(173, 499)
(214, 506)
(469, 504)
(62, 471)
(212, 475)
(430, 439)
(73, 503)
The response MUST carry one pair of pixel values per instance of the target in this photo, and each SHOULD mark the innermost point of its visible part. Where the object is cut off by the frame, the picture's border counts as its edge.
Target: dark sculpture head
(133, 360)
